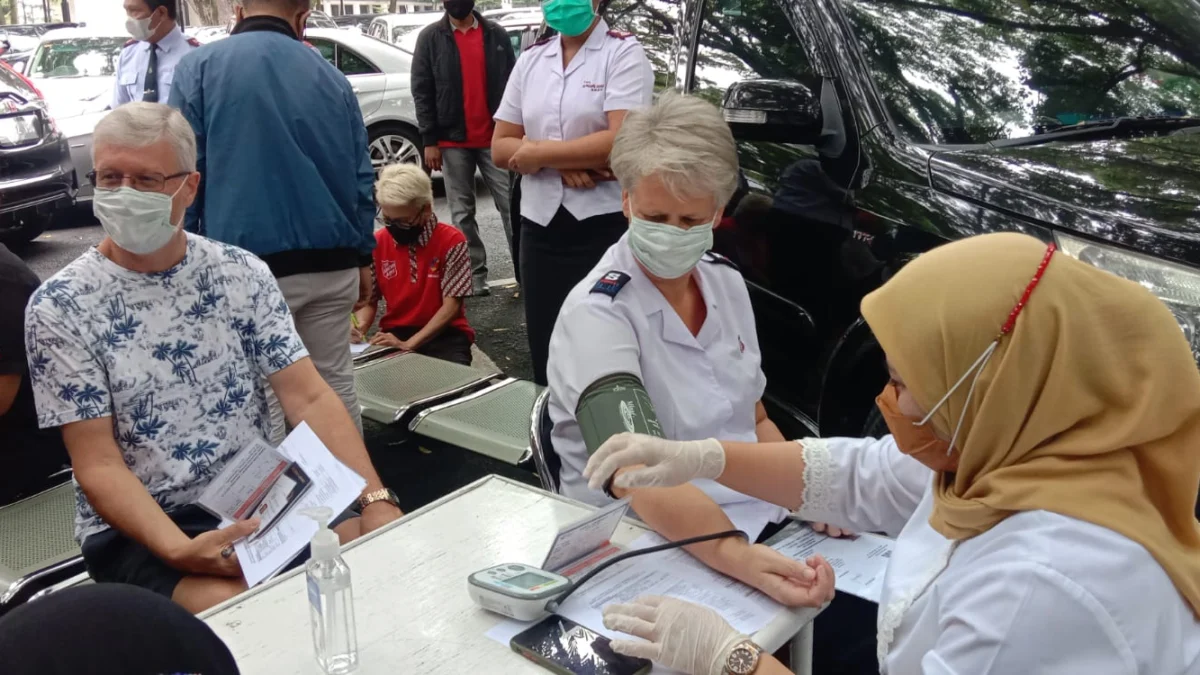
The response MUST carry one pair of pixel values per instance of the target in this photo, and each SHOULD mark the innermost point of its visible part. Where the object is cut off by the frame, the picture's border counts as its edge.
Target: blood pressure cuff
(615, 404)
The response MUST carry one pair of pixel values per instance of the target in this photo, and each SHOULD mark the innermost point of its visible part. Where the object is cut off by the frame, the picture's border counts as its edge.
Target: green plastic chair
(392, 386)
(492, 421)
(37, 544)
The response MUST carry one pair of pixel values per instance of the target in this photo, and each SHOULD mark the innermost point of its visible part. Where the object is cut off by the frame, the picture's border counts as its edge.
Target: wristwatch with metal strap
(381, 495)
(743, 658)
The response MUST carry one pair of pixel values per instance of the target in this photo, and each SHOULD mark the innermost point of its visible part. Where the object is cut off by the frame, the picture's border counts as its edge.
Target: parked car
(359, 22)
(36, 176)
(319, 19)
(75, 69)
(870, 131)
(206, 34)
(523, 28)
(379, 73)
(395, 27)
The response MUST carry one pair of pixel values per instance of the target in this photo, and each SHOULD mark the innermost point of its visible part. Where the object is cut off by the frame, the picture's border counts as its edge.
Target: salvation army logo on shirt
(389, 269)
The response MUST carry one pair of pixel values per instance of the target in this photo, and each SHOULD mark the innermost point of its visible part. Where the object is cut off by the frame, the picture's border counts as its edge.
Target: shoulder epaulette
(193, 42)
(128, 44)
(718, 259)
(611, 283)
(620, 34)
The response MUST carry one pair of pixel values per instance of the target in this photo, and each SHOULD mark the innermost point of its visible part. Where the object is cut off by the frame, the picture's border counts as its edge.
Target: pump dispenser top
(324, 544)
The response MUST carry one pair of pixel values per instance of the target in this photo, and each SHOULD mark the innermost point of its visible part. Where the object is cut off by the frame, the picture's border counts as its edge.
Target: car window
(745, 39)
(350, 63)
(972, 71)
(326, 48)
(77, 57)
(655, 24)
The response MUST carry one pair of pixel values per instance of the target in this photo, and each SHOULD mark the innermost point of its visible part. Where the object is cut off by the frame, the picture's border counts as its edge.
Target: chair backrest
(392, 386)
(544, 457)
(490, 421)
(37, 544)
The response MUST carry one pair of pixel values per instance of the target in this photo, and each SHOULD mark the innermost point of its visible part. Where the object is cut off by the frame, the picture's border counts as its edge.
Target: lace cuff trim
(818, 477)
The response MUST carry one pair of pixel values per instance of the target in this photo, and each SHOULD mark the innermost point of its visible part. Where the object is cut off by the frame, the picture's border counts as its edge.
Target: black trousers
(449, 345)
(553, 259)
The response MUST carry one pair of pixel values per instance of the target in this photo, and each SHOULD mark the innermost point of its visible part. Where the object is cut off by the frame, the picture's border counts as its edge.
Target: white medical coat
(1038, 593)
(702, 386)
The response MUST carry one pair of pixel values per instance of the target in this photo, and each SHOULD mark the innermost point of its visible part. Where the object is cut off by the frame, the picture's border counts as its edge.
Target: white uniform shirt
(131, 67)
(702, 386)
(1038, 593)
(610, 72)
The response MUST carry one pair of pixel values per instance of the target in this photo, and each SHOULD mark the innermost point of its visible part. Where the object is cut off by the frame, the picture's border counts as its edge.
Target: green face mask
(569, 17)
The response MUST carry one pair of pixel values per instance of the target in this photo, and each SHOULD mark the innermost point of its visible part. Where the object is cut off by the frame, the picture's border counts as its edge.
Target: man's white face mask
(139, 222)
(139, 28)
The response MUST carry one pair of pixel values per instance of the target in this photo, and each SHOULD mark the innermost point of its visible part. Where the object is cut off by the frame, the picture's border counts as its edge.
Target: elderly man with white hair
(151, 351)
(660, 338)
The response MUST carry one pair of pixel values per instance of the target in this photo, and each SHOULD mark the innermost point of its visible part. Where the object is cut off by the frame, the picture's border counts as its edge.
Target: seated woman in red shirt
(422, 272)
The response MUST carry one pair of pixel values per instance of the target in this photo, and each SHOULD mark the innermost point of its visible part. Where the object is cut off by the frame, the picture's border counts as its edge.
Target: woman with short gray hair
(660, 338)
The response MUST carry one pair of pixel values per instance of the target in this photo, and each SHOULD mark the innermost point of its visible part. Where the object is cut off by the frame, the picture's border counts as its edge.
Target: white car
(75, 69)
(394, 28)
(379, 73)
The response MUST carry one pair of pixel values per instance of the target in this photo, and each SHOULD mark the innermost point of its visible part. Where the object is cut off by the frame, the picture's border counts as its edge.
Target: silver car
(378, 71)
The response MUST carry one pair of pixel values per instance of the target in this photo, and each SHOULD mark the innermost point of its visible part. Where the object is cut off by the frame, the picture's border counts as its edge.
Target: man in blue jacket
(286, 174)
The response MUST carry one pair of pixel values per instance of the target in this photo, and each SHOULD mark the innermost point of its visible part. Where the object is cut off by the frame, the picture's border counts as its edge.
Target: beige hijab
(1090, 408)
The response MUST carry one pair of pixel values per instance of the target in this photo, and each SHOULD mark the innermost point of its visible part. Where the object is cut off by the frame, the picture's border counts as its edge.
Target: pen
(354, 321)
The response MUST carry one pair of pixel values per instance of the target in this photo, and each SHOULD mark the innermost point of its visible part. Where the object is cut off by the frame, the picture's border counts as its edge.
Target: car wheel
(394, 144)
(24, 229)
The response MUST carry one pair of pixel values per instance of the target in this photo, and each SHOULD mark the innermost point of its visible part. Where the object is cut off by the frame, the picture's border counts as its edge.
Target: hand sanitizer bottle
(330, 599)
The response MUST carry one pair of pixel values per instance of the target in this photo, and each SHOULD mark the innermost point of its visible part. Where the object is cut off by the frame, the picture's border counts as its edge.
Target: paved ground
(419, 470)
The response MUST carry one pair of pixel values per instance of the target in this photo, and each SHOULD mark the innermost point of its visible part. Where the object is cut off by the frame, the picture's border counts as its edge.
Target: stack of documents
(277, 485)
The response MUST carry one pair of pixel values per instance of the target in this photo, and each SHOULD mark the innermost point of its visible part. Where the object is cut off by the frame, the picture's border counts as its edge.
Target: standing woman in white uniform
(563, 105)
(1045, 516)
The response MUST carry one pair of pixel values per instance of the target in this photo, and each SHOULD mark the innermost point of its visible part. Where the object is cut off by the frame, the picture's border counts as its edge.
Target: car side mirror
(19, 66)
(776, 111)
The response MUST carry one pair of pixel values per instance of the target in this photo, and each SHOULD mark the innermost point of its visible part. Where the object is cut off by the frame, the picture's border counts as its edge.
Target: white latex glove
(679, 635)
(667, 463)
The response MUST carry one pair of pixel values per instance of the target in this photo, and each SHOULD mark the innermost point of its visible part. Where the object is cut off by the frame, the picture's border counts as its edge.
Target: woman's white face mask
(667, 251)
(139, 222)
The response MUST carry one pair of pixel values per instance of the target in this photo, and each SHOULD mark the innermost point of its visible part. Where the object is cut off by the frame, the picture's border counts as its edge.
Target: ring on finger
(227, 552)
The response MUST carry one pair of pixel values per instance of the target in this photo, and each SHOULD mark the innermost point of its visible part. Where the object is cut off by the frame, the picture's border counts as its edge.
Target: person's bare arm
(764, 428)
(506, 140)
(305, 397)
(9, 386)
(772, 472)
(686, 511)
(445, 314)
(115, 493)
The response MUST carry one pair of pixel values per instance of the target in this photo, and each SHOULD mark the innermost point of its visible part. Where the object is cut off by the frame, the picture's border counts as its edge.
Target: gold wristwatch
(381, 495)
(743, 659)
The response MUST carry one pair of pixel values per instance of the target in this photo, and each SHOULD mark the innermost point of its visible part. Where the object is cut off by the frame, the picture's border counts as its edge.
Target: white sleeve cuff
(818, 500)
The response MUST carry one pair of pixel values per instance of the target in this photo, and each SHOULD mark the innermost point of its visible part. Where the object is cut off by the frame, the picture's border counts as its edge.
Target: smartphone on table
(564, 647)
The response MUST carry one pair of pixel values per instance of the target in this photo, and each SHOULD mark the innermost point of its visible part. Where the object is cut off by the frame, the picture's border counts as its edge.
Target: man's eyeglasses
(142, 182)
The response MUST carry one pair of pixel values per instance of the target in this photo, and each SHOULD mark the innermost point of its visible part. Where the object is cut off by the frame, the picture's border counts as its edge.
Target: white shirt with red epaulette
(610, 72)
(135, 56)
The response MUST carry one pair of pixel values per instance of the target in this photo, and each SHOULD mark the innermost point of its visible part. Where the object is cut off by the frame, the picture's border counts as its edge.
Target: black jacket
(436, 80)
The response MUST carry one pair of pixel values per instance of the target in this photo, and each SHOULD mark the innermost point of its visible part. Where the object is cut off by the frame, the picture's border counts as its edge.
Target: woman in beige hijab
(1044, 511)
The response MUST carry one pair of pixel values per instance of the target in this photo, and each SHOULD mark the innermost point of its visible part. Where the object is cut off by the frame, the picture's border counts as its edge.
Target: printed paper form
(357, 348)
(859, 562)
(244, 481)
(672, 573)
(334, 485)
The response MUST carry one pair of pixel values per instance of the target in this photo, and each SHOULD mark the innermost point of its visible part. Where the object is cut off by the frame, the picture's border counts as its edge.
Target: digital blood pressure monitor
(515, 590)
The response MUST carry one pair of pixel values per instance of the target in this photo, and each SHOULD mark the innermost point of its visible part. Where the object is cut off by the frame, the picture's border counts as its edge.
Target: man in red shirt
(459, 70)
(422, 272)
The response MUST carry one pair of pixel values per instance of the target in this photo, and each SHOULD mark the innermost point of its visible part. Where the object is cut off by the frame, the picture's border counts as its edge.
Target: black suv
(873, 130)
(36, 176)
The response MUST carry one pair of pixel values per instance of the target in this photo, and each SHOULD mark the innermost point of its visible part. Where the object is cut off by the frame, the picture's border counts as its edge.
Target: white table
(410, 590)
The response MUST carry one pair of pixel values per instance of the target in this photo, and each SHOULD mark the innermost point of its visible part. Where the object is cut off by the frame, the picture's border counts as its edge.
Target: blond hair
(404, 185)
(684, 141)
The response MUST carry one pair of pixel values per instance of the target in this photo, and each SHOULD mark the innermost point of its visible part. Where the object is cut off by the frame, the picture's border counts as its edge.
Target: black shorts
(112, 557)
